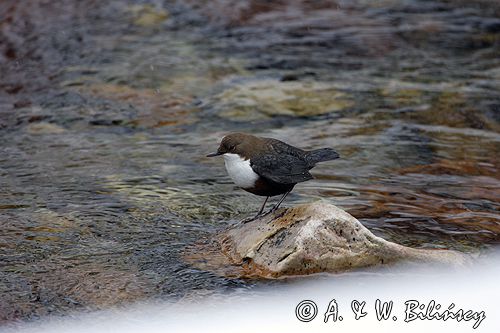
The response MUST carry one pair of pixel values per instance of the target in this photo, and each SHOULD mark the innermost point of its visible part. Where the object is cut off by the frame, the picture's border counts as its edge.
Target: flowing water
(107, 110)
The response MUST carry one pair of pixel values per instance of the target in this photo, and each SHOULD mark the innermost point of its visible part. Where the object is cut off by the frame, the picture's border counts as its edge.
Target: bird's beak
(214, 154)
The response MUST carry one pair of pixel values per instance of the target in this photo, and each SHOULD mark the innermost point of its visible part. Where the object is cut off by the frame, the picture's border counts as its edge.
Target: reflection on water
(105, 120)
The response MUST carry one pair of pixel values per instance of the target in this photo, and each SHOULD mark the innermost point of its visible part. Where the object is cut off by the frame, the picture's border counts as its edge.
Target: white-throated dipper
(266, 166)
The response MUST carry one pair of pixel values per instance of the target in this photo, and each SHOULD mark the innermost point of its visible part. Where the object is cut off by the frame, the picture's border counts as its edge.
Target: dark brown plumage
(266, 166)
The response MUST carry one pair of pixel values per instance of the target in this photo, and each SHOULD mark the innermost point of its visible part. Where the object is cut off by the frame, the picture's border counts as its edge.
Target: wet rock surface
(306, 239)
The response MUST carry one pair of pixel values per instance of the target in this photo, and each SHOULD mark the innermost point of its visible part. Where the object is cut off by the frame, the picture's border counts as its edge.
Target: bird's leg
(262, 208)
(259, 214)
(279, 202)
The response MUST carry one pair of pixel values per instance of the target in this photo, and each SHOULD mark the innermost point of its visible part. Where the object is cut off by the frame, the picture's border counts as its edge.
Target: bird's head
(232, 144)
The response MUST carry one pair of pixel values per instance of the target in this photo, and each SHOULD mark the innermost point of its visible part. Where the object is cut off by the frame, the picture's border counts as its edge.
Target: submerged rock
(44, 128)
(308, 239)
(258, 99)
(148, 15)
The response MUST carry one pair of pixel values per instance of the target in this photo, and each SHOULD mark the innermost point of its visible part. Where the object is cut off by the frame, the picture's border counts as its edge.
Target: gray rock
(306, 239)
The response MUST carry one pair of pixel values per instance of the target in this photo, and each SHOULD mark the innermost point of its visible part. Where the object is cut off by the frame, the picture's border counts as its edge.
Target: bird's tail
(321, 155)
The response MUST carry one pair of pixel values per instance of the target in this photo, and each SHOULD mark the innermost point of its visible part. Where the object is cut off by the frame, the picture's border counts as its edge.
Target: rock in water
(306, 239)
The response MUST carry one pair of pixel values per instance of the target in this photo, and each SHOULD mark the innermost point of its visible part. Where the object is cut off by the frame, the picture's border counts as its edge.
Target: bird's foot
(273, 212)
(249, 219)
(258, 216)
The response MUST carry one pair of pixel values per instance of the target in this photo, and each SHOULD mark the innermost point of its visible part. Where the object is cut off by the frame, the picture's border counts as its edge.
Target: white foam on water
(273, 308)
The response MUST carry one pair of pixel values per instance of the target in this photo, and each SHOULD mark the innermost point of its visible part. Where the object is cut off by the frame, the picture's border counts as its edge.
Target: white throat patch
(240, 170)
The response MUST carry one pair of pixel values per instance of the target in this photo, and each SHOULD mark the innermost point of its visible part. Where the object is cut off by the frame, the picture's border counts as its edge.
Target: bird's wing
(283, 168)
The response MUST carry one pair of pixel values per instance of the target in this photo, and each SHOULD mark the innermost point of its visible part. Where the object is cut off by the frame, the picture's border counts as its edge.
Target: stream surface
(108, 108)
